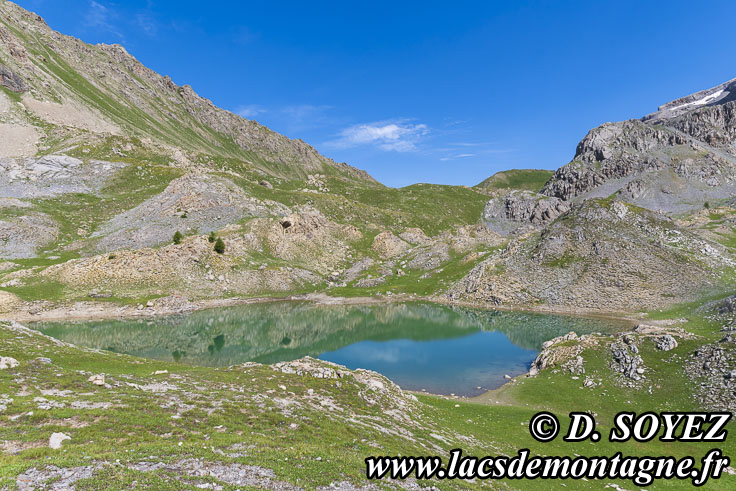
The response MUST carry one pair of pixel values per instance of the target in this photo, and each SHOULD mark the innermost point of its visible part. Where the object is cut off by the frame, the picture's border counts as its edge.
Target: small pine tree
(212, 238)
(220, 246)
(177, 237)
(707, 205)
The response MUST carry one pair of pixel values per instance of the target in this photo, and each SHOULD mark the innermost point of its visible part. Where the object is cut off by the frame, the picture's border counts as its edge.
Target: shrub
(177, 237)
(212, 238)
(220, 246)
(707, 205)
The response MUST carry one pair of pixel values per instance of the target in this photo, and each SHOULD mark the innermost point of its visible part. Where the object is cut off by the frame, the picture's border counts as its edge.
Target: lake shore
(171, 305)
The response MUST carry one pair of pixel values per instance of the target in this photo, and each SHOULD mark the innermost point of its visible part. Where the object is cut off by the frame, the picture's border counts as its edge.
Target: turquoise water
(419, 346)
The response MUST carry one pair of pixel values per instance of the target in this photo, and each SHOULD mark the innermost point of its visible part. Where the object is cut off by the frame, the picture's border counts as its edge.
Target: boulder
(8, 362)
(97, 379)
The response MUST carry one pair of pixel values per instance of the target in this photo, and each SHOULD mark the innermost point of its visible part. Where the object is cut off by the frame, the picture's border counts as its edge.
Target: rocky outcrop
(11, 80)
(564, 352)
(414, 236)
(7, 362)
(674, 160)
(626, 358)
(612, 151)
(53, 175)
(666, 342)
(519, 208)
(713, 97)
(712, 370)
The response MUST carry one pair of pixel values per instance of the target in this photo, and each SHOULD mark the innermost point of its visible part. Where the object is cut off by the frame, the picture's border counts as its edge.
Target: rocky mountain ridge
(674, 160)
(104, 89)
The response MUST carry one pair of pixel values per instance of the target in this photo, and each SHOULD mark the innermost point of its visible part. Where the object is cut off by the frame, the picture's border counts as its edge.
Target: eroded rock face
(53, 175)
(387, 245)
(609, 152)
(11, 80)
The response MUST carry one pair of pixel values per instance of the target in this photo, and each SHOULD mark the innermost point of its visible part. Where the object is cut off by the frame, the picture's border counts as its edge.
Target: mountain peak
(721, 94)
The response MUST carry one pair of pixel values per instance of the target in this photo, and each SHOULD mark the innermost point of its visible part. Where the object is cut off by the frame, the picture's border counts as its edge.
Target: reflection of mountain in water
(272, 332)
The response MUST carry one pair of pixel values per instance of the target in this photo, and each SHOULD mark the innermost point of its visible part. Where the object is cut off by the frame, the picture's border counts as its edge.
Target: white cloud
(397, 136)
(250, 111)
(98, 17)
(305, 113)
(147, 24)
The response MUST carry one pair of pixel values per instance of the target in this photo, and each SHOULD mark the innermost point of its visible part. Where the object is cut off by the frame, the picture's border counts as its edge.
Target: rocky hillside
(642, 216)
(606, 253)
(102, 160)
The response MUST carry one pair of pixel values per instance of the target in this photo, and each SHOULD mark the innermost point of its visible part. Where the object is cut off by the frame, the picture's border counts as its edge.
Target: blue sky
(443, 92)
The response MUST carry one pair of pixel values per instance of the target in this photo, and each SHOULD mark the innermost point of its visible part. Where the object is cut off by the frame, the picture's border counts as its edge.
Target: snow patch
(700, 102)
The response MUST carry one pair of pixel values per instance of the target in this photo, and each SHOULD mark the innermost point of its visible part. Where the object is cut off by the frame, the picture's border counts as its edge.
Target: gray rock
(53, 175)
(728, 306)
(11, 80)
(22, 237)
(626, 359)
(674, 160)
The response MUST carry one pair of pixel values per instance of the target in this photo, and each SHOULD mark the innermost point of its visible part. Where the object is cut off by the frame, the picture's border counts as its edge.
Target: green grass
(516, 179)
(564, 261)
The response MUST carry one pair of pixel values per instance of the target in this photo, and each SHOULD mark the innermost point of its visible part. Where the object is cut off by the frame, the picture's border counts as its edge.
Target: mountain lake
(420, 346)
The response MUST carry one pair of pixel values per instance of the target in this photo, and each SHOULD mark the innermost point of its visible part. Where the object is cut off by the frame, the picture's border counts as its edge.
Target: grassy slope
(521, 179)
(145, 430)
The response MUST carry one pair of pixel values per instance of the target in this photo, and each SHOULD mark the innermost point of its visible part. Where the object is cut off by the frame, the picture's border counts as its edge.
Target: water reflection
(438, 348)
